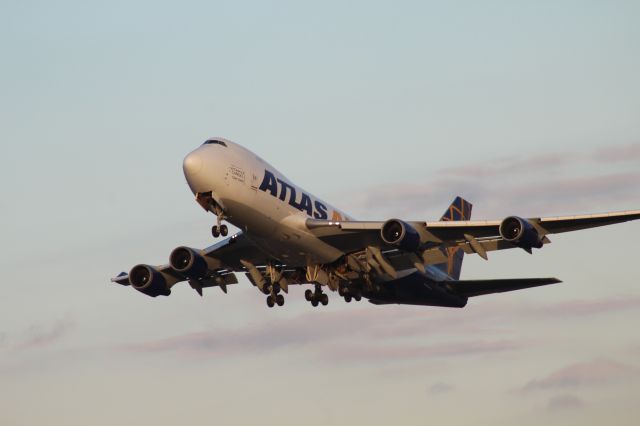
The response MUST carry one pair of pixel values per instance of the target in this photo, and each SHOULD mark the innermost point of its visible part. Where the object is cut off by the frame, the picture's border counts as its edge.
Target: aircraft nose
(192, 164)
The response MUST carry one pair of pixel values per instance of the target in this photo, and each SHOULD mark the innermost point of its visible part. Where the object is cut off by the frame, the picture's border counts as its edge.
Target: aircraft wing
(222, 259)
(471, 236)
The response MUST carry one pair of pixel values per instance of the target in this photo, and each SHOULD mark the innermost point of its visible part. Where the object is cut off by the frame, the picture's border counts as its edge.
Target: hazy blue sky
(385, 109)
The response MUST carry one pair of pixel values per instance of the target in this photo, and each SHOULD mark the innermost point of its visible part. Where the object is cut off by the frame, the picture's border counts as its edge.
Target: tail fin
(460, 209)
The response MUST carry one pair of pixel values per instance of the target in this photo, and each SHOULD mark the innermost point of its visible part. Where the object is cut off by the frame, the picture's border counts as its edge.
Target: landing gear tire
(224, 231)
(276, 288)
(308, 295)
(270, 301)
(266, 289)
(324, 299)
(280, 300)
(314, 302)
(358, 296)
(215, 231)
(347, 298)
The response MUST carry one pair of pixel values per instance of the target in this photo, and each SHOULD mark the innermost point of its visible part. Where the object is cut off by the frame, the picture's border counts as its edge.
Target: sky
(386, 109)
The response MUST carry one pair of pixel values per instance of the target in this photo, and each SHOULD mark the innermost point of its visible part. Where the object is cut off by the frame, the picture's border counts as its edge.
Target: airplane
(288, 237)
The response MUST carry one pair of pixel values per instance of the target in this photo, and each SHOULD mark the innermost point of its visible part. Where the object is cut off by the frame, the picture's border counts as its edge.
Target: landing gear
(219, 228)
(216, 231)
(274, 297)
(271, 301)
(350, 293)
(316, 297)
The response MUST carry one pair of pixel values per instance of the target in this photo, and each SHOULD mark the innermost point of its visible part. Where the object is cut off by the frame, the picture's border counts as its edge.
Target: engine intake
(188, 262)
(520, 232)
(400, 234)
(148, 280)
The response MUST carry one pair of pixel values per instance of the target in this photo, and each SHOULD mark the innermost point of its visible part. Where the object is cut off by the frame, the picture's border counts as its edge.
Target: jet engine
(148, 280)
(520, 233)
(400, 234)
(188, 262)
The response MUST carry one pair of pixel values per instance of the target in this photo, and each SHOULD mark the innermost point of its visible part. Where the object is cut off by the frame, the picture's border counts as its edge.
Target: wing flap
(471, 288)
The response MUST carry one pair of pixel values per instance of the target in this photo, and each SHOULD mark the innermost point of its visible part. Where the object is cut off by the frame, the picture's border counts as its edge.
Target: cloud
(552, 183)
(591, 307)
(38, 336)
(565, 403)
(439, 388)
(343, 335)
(618, 153)
(597, 372)
(406, 351)
(510, 165)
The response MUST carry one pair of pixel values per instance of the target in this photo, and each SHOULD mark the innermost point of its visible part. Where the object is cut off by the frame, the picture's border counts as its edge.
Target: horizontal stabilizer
(471, 288)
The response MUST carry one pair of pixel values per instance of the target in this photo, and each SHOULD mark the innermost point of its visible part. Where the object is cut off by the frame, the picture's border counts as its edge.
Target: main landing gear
(350, 294)
(316, 297)
(274, 297)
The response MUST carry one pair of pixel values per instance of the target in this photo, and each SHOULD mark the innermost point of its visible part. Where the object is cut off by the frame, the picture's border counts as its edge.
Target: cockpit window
(214, 141)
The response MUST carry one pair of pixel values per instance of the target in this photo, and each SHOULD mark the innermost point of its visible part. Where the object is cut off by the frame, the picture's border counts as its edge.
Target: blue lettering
(269, 183)
(321, 211)
(287, 193)
(305, 204)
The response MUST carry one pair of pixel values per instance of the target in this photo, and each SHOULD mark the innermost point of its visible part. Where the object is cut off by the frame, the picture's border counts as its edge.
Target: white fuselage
(269, 208)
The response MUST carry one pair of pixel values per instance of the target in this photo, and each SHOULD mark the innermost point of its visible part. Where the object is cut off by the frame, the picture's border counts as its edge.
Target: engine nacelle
(400, 234)
(188, 262)
(148, 280)
(520, 232)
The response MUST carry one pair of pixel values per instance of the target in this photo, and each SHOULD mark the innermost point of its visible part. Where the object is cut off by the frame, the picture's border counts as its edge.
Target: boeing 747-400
(288, 236)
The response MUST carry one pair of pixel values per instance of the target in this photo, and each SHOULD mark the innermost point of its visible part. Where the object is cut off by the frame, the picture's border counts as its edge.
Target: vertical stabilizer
(460, 209)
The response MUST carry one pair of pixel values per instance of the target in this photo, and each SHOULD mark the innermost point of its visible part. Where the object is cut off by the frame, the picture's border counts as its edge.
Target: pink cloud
(618, 153)
(528, 185)
(510, 165)
(365, 352)
(565, 403)
(591, 307)
(39, 336)
(345, 335)
(599, 371)
(439, 388)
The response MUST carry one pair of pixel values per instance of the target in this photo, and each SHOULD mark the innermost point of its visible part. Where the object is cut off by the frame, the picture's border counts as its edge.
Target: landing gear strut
(219, 228)
(316, 297)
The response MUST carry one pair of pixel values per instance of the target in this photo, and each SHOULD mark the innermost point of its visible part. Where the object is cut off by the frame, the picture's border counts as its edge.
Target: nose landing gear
(220, 228)
(216, 230)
